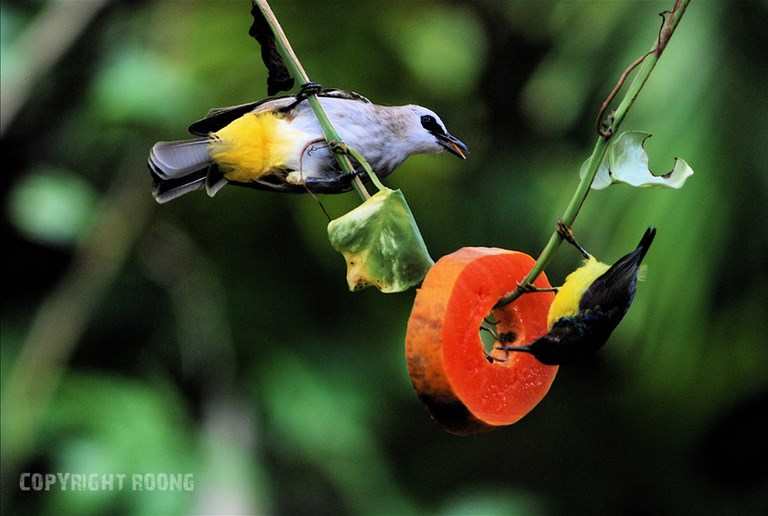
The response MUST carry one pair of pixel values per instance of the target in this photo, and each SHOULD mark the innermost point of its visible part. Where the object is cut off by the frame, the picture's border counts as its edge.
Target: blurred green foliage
(228, 344)
(52, 206)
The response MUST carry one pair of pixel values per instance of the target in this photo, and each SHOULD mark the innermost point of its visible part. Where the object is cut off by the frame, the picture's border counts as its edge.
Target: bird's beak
(453, 145)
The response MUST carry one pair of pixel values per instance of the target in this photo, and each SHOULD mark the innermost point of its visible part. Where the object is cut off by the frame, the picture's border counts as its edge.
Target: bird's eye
(429, 123)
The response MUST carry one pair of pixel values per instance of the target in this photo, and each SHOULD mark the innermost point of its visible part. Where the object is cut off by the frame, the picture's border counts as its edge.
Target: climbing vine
(466, 388)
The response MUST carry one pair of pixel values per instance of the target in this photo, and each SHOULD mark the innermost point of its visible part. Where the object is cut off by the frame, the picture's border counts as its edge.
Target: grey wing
(335, 93)
(218, 118)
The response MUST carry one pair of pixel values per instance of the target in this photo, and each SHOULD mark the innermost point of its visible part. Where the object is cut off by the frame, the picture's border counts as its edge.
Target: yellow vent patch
(254, 145)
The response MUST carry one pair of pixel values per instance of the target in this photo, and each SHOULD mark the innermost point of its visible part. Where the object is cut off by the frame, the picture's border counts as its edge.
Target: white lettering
(63, 479)
(77, 481)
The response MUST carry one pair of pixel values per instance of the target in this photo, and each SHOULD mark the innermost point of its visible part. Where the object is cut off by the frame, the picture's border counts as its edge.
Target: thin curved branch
(671, 20)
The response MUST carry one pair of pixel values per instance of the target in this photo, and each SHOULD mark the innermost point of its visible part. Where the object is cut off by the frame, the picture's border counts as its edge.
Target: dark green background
(217, 336)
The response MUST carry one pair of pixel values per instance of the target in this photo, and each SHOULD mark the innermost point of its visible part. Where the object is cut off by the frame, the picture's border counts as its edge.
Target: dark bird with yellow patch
(589, 306)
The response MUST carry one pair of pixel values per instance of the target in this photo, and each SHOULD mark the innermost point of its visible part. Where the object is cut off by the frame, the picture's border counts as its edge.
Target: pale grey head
(425, 132)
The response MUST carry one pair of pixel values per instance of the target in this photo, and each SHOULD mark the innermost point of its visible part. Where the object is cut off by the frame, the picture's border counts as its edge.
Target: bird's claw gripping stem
(305, 91)
(566, 233)
(527, 288)
(342, 149)
(338, 147)
(308, 89)
(605, 126)
(336, 184)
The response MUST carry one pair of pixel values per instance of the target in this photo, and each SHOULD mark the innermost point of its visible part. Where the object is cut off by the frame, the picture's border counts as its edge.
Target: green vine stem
(367, 168)
(671, 20)
(298, 73)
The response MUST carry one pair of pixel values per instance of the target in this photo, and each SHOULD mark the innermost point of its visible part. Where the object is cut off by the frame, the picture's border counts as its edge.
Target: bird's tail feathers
(633, 259)
(645, 244)
(181, 167)
(165, 190)
(214, 181)
(626, 268)
(173, 160)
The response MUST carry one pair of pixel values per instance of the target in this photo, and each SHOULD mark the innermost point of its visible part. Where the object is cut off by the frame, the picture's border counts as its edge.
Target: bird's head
(426, 133)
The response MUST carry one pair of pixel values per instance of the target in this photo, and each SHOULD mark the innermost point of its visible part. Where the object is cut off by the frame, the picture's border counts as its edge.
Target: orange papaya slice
(467, 388)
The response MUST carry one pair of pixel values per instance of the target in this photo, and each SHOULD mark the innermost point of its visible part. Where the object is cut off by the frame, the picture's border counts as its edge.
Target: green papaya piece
(381, 244)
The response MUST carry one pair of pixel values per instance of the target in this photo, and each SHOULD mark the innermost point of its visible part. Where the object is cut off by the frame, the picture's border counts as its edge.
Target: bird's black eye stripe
(429, 123)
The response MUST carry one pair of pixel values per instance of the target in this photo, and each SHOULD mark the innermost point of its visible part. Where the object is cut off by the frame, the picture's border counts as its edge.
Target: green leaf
(627, 162)
(381, 244)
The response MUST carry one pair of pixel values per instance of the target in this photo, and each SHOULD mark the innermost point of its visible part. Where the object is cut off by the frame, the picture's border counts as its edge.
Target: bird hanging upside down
(589, 306)
(277, 144)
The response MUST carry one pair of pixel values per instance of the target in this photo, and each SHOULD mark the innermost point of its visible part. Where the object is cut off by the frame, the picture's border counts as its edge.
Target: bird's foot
(308, 89)
(527, 288)
(337, 184)
(566, 233)
(305, 91)
(605, 125)
(338, 147)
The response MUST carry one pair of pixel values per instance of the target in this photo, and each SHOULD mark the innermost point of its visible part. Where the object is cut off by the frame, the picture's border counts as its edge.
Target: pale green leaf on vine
(626, 161)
